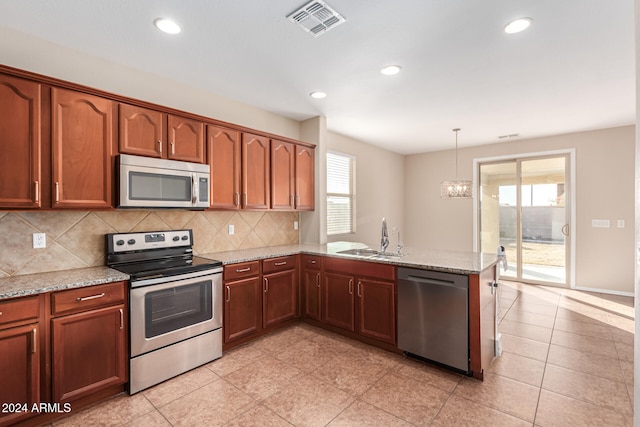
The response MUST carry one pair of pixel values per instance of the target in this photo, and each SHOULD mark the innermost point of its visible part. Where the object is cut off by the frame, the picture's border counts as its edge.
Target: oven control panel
(125, 242)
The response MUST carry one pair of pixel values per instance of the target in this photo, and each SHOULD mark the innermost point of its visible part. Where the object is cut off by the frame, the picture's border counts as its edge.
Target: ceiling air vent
(316, 17)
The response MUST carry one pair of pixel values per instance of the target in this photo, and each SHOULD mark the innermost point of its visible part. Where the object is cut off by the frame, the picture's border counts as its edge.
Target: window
(340, 194)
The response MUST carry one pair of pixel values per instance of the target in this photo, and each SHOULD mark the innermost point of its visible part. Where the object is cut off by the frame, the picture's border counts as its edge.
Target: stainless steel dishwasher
(433, 316)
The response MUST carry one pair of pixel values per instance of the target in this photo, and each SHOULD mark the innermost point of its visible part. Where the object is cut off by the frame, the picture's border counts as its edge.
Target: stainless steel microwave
(147, 182)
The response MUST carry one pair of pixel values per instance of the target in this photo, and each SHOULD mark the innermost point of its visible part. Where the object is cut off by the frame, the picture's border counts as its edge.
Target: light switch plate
(232, 229)
(39, 240)
(600, 223)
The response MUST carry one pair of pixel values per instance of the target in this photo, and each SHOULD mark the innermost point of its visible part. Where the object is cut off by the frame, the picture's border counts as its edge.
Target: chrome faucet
(384, 240)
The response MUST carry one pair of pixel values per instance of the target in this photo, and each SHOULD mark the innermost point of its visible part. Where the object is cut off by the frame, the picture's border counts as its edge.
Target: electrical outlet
(295, 225)
(621, 223)
(39, 240)
(232, 229)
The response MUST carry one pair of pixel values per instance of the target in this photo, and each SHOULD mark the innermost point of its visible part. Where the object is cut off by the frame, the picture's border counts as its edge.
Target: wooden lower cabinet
(242, 308)
(20, 372)
(360, 297)
(89, 352)
(311, 281)
(280, 290)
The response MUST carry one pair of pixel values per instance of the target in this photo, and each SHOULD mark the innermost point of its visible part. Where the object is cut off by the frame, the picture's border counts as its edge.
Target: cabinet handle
(318, 280)
(228, 294)
(297, 200)
(280, 263)
(266, 285)
(291, 199)
(312, 261)
(159, 147)
(236, 199)
(34, 341)
(359, 294)
(37, 190)
(57, 191)
(121, 320)
(244, 197)
(243, 270)
(91, 297)
(350, 286)
(173, 148)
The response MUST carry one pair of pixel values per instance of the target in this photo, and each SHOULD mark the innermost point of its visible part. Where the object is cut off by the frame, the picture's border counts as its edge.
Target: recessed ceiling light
(318, 95)
(166, 25)
(517, 25)
(390, 70)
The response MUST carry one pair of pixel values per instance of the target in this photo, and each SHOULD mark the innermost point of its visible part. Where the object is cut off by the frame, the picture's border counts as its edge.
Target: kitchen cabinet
(89, 340)
(280, 290)
(151, 133)
(81, 150)
(186, 139)
(292, 176)
(224, 155)
(243, 300)
(255, 172)
(360, 297)
(311, 279)
(20, 143)
(20, 362)
(305, 178)
(283, 155)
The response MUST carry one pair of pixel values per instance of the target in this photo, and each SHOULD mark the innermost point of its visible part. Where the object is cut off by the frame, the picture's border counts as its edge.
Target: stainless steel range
(175, 304)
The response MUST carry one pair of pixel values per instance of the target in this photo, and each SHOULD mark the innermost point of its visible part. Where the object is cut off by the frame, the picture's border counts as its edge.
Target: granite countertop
(32, 284)
(447, 261)
(459, 262)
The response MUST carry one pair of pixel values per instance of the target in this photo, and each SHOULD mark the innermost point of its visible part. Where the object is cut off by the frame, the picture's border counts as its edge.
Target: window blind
(340, 198)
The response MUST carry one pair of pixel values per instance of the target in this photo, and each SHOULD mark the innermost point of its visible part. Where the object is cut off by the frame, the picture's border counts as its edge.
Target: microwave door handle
(194, 191)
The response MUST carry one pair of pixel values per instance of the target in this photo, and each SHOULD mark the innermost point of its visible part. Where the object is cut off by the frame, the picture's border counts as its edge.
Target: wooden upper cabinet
(283, 156)
(255, 172)
(20, 143)
(305, 178)
(186, 139)
(223, 151)
(142, 132)
(81, 149)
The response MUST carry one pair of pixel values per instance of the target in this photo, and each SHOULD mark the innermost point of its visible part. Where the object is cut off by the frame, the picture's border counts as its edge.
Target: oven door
(166, 313)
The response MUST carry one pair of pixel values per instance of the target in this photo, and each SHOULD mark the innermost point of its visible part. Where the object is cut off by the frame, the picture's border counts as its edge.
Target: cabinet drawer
(240, 270)
(360, 268)
(311, 262)
(274, 265)
(15, 310)
(88, 297)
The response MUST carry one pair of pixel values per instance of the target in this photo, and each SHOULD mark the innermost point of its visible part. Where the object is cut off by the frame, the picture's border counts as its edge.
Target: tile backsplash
(75, 239)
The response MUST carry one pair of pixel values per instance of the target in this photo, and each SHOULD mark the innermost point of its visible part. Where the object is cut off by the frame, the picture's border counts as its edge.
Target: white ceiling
(573, 70)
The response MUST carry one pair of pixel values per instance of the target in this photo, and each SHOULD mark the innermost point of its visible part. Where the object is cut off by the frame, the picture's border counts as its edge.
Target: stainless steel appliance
(147, 182)
(433, 316)
(175, 304)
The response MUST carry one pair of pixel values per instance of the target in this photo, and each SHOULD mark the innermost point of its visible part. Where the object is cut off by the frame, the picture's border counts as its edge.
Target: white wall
(379, 184)
(604, 190)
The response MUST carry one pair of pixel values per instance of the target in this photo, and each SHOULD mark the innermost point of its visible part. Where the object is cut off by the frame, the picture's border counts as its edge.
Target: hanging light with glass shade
(458, 188)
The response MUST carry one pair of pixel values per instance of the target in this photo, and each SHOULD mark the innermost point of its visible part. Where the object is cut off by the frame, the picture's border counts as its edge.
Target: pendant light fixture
(458, 188)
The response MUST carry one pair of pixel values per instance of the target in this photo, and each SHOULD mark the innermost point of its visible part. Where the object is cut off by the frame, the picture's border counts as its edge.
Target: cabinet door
(82, 144)
(19, 370)
(282, 175)
(20, 143)
(223, 148)
(279, 298)
(141, 131)
(339, 300)
(376, 309)
(255, 172)
(89, 352)
(186, 139)
(242, 308)
(311, 288)
(305, 178)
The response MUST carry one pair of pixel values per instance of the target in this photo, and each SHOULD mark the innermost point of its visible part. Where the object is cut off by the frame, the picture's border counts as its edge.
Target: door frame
(571, 152)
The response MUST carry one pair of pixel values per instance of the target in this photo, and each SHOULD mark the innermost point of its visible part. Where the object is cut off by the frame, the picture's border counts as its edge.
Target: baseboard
(605, 291)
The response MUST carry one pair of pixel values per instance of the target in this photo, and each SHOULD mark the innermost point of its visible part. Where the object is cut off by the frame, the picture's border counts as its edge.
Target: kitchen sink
(370, 253)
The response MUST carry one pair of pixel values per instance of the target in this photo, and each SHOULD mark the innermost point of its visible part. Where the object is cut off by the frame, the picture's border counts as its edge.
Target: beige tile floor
(567, 361)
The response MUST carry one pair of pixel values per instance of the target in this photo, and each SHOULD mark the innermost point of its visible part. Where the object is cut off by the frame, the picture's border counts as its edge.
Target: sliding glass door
(524, 207)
